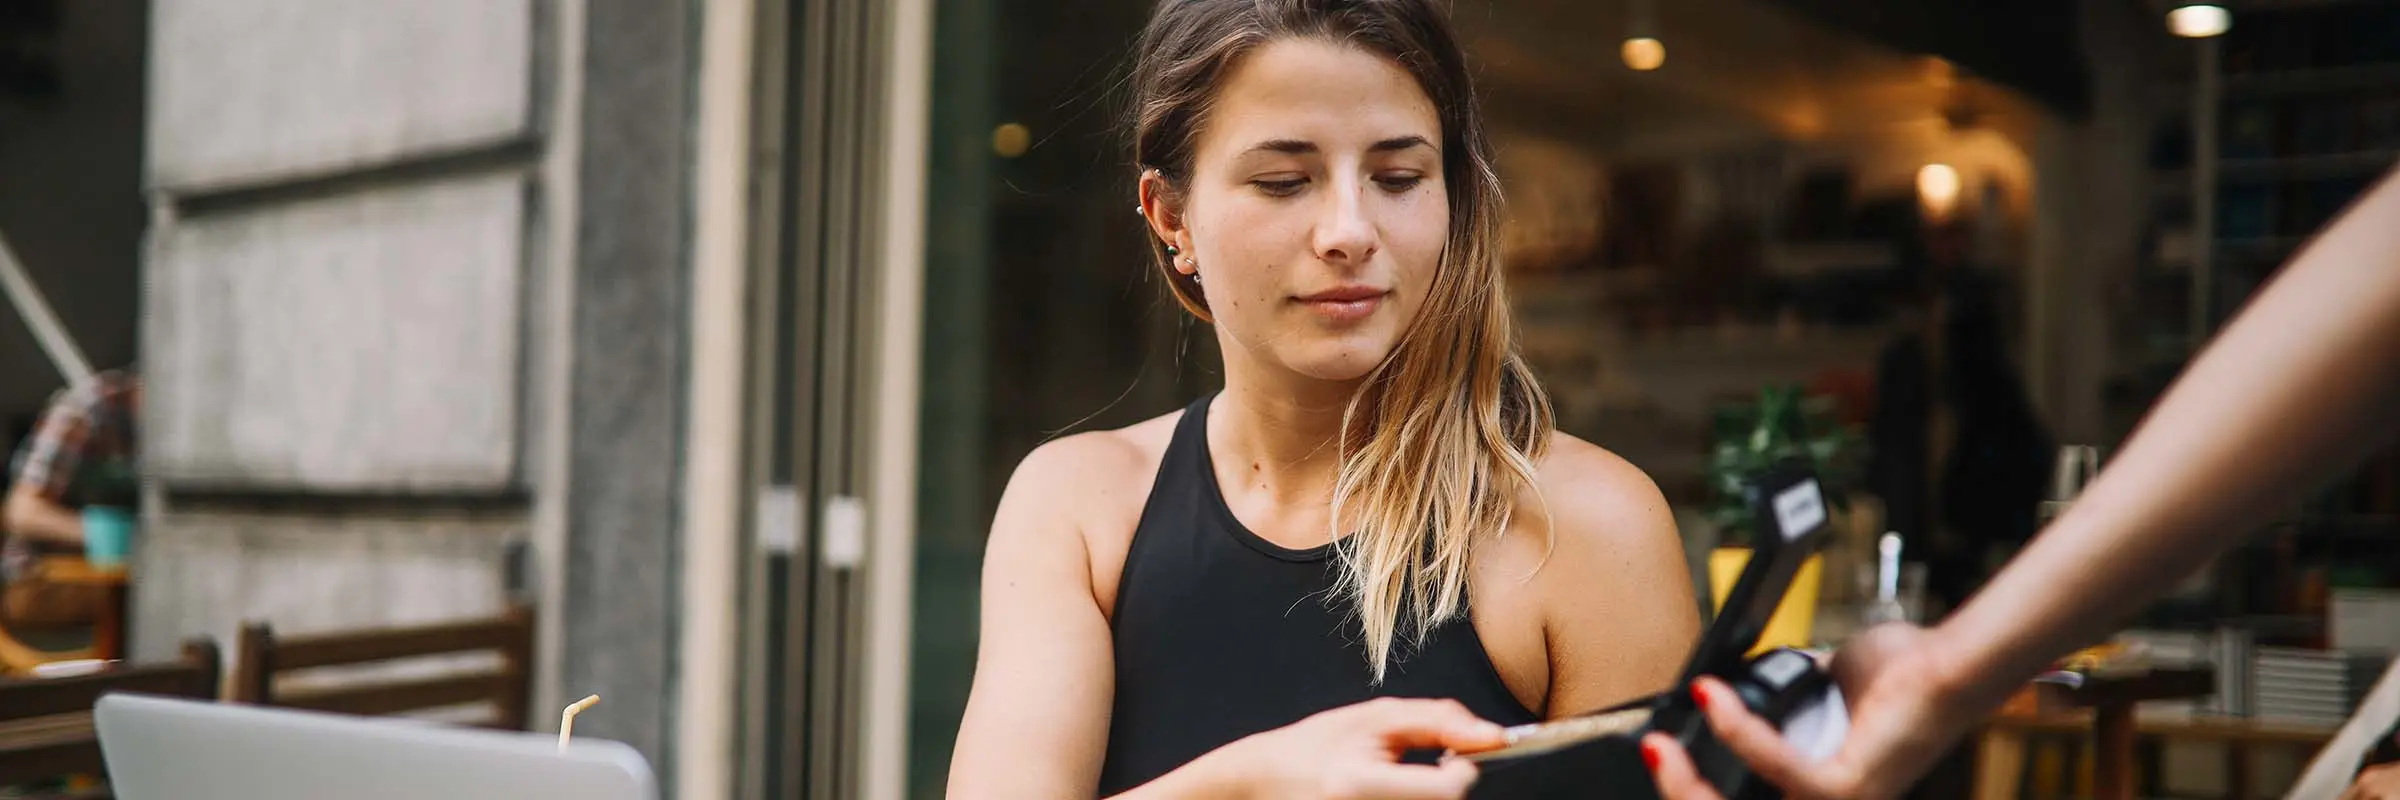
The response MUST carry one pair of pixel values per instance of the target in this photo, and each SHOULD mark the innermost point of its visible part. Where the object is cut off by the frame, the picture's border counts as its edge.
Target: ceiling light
(1011, 139)
(2199, 21)
(1937, 188)
(1644, 54)
(1642, 50)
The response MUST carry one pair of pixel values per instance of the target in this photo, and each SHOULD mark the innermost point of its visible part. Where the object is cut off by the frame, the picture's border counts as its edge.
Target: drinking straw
(566, 719)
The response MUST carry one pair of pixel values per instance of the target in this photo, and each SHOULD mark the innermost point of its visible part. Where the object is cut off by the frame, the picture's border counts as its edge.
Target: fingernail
(1699, 697)
(1650, 754)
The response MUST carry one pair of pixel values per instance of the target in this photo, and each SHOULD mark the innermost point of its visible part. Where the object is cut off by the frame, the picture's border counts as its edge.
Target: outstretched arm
(2301, 386)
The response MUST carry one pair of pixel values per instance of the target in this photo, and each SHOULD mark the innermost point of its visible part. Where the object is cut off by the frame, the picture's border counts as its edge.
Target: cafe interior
(1946, 252)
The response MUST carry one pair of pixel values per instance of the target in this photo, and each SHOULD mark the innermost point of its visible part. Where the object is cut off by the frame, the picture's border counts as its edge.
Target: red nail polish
(1650, 754)
(1699, 698)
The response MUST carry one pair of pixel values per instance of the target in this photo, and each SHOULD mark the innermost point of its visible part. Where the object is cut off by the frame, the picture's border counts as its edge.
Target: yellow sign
(1795, 619)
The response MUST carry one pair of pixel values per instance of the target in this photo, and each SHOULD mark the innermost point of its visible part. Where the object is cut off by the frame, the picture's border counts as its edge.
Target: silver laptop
(163, 749)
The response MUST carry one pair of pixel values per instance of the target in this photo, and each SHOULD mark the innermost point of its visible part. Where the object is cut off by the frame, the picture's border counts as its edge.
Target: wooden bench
(506, 689)
(46, 723)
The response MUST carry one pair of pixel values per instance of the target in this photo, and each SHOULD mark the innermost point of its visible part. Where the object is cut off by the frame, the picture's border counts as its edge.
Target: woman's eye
(1399, 183)
(1279, 187)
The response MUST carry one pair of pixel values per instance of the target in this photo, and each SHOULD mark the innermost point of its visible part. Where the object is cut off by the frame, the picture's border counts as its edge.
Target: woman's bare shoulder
(1586, 508)
(1095, 466)
(1583, 484)
(1092, 486)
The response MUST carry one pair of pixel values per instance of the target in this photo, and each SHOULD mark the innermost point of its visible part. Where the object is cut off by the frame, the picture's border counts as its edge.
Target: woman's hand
(1353, 752)
(1904, 713)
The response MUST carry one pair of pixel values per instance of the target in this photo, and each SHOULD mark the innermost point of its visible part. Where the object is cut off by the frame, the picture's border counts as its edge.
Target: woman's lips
(1344, 305)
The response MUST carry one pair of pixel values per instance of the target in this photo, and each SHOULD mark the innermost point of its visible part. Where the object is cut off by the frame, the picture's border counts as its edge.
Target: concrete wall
(323, 326)
(317, 88)
(363, 341)
(416, 283)
(626, 386)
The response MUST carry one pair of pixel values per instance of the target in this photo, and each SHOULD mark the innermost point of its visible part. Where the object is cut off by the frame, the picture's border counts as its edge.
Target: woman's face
(1316, 213)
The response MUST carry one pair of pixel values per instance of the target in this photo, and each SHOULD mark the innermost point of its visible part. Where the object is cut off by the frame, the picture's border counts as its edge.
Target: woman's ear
(1162, 208)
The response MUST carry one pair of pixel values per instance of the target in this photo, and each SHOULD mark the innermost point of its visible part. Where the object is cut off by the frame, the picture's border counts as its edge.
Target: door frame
(826, 160)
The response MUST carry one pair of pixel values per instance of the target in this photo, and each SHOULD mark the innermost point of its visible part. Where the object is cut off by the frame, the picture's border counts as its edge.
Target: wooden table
(2241, 736)
(108, 632)
(2107, 701)
(48, 747)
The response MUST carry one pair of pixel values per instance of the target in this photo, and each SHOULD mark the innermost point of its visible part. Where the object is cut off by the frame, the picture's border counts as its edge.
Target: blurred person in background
(2301, 386)
(72, 476)
(1958, 455)
(1228, 600)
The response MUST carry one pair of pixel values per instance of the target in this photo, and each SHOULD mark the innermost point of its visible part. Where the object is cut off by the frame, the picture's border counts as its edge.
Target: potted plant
(1783, 425)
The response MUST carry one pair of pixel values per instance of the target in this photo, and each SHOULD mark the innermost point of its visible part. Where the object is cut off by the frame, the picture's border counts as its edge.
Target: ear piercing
(1176, 254)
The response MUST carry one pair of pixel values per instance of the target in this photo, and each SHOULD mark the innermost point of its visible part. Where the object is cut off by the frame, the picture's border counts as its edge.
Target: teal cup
(107, 535)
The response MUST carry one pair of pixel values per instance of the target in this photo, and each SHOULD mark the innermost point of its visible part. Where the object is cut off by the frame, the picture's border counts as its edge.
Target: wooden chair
(263, 657)
(46, 723)
(108, 627)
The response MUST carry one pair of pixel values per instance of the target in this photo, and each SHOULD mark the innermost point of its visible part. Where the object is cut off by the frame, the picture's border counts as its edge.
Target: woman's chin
(1340, 362)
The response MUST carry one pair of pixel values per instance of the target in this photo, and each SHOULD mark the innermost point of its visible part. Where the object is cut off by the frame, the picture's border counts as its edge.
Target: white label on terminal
(1816, 729)
(1799, 509)
(1783, 669)
(845, 532)
(778, 520)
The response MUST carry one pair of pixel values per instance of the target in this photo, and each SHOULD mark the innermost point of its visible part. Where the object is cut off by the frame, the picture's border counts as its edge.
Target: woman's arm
(2303, 384)
(1619, 613)
(1036, 721)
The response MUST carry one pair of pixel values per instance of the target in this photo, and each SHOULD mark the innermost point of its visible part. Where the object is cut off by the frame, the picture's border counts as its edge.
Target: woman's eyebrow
(1297, 147)
(1291, 147)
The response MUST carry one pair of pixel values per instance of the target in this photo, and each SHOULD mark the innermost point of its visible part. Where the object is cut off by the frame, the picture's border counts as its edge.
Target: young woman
(1375, 506)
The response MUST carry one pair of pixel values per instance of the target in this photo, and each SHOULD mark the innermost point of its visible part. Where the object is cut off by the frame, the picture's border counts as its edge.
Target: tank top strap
(1167, 523)
(1187, 449)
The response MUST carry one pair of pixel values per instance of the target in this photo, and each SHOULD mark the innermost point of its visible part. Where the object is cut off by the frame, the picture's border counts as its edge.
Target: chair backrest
(46, 723)
(507, 688)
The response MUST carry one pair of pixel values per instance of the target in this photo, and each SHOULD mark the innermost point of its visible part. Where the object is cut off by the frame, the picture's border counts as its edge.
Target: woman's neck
(1283, 441)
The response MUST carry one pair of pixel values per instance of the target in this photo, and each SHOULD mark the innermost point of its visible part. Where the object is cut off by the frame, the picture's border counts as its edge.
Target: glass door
(816, 192)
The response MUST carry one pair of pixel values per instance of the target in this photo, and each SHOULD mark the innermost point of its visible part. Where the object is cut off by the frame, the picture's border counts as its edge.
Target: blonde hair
(1441, 436)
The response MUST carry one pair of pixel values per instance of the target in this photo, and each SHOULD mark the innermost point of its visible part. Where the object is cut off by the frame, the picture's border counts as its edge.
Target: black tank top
(1221, 634)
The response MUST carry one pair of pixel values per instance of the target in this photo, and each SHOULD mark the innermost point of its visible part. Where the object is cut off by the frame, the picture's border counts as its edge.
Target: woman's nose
(1345, 232)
